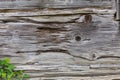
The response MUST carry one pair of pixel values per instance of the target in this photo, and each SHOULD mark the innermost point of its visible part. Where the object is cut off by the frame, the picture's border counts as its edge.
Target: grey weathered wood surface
(46, 42)
(28, 4)
(118, 10)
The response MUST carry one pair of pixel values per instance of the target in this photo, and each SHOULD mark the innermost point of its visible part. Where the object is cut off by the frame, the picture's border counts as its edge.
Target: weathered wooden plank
(68, 68)
(75, 3)
(76, 74)
(28, 4)
(29, 13)
(111, 77)
(50, 16)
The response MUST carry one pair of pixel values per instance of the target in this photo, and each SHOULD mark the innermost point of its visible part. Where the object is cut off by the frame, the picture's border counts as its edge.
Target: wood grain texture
(46, 50)
(62, 44)
(28, 4)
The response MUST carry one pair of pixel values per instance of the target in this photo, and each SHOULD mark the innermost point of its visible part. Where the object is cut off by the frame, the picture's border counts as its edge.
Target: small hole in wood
(77, 38)
(93, 56)
(115, 15)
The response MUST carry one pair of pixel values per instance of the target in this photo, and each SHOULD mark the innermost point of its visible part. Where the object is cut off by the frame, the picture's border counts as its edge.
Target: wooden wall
(61, 44)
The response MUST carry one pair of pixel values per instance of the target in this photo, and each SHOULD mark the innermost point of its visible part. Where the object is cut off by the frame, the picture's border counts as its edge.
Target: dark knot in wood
(77, 38)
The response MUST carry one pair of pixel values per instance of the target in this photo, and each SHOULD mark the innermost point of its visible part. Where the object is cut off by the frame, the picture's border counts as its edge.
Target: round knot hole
(77, 38)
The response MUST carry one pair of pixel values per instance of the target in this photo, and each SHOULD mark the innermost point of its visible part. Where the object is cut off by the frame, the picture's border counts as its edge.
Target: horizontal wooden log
(42, 16)
(111, 77)
(68, 68)
(29, 13)
(28, 4)
(75, 74)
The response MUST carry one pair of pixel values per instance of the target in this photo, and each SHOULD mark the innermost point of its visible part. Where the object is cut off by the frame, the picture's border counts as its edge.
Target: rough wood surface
(46, 50)
(28, 4)
(64, 44)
